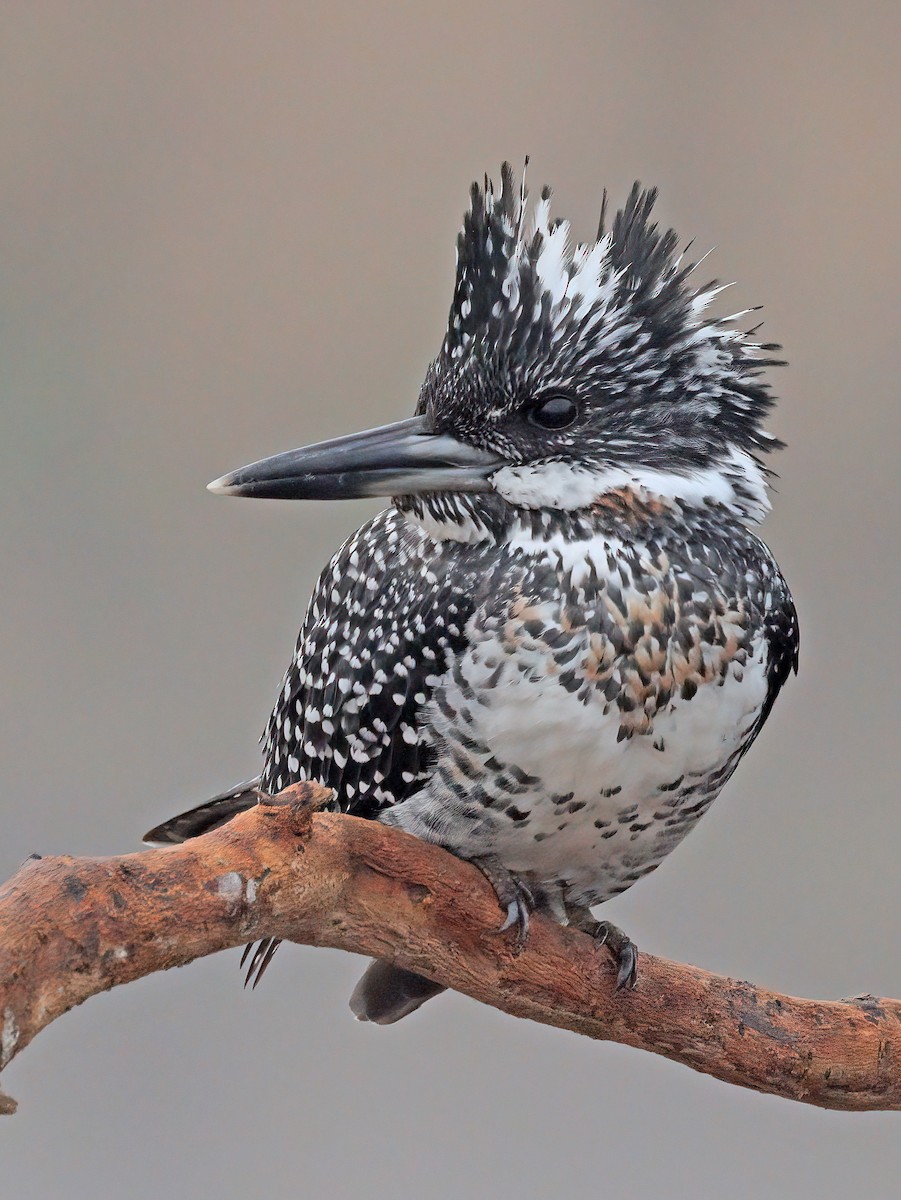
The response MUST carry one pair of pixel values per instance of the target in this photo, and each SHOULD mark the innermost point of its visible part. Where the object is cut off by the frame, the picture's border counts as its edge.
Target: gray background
(227, 229)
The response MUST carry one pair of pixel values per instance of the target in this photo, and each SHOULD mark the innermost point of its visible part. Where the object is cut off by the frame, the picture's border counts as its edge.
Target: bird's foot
(623, 949)
(512, 895)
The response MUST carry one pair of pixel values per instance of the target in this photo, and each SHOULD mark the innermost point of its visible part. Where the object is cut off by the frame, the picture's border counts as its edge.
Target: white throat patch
(737, 483)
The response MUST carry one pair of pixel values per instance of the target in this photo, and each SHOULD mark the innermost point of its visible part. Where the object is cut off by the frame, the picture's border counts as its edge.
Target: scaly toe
(518, 912)
(624, 951)
(512, 894)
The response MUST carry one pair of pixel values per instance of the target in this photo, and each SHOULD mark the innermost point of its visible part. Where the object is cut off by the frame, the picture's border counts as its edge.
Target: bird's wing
(386, 618)
(782, 633)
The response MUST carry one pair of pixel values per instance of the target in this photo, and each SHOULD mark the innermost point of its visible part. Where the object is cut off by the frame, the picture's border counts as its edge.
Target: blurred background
(228, 229)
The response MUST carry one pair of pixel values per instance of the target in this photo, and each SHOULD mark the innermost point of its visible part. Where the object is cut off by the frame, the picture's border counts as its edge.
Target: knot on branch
(299, 801)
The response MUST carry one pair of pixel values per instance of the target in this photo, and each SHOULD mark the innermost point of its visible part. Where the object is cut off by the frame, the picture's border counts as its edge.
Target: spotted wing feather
(783, 640)
(383, 622)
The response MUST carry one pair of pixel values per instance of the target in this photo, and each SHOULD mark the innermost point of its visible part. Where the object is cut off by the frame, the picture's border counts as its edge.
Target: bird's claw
(512, 894)
(262, 957)
(518, 912)
(624, 951)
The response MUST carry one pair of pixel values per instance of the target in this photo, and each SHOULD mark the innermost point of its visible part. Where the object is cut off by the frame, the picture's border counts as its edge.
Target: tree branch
(72, 927)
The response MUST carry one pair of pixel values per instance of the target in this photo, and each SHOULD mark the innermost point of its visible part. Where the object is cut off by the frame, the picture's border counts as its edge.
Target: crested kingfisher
(550, 652)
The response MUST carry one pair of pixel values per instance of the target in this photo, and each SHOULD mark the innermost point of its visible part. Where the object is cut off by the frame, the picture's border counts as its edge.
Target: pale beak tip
(223, 486)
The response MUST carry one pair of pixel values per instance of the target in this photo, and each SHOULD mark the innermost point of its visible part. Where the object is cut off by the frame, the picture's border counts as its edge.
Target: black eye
(556, 412)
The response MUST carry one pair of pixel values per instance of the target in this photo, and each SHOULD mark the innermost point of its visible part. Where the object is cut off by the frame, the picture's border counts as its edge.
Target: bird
(551, 650)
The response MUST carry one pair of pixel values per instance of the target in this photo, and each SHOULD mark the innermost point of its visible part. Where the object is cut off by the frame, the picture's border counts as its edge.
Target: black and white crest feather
(617, 322)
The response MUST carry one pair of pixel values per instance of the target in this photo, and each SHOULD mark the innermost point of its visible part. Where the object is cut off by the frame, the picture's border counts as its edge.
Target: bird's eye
(554, 412)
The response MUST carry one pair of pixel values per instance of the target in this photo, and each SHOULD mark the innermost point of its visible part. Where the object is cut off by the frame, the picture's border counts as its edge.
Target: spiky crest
(616, 320)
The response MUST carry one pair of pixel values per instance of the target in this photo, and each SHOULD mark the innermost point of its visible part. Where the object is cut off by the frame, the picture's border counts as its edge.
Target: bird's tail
(386, 993)
(209, 815)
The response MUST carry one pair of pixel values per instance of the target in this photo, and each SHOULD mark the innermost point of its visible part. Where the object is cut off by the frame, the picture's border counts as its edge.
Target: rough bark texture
(72, 927)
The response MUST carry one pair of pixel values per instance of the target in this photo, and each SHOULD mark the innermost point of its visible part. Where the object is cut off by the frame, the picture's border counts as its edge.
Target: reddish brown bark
(72, 927)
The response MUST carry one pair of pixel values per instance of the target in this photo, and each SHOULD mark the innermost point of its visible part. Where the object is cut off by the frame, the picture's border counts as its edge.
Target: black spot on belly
(522, 776)
(699, 807)
(671, 787)
(569, 680)
(516, 814)
(505, 784)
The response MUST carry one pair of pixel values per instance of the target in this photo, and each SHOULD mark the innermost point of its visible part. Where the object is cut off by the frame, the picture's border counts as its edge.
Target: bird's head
(566, 372)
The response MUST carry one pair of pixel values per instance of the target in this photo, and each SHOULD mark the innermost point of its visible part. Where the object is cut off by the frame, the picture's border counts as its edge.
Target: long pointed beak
(394, 460)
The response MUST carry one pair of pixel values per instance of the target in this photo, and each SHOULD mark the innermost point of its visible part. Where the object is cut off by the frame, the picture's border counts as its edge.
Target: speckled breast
(614, 672)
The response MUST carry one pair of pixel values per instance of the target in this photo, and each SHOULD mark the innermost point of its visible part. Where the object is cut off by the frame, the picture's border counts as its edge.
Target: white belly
(591, 810)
